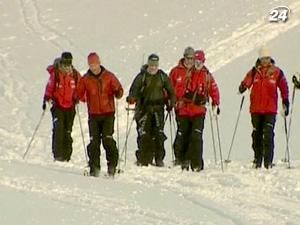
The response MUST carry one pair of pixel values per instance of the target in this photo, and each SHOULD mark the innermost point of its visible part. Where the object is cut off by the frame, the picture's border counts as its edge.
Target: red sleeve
(283, 86)
(78, 77)
(81, 89)
(50, 87)
(116, 87)
(214, 91)
(248, 80)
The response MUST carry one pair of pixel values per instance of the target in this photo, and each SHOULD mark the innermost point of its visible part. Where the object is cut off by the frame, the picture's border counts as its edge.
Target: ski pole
(290, 120)
(213, 135)
(219, 140)
(287, 143)
(235, 129)
(171, 134)
(33, 135)
(291, 115)
(124, 150)
(118, 130)
(82, 135)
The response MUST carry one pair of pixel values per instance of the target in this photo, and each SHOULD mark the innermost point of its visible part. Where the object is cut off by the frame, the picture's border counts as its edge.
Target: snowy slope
(124, 32)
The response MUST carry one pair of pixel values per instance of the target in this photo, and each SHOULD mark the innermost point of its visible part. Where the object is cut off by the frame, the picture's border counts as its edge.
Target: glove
(169, 106)
(242, 88)
(216, 110)
(130, 100)
(44, 105)
(45, 101)
(286, 105)
(119, 94)
(296, 82)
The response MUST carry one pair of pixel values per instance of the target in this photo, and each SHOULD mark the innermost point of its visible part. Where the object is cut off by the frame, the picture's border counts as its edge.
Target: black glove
(216, 110)
(130, 100)
(44, 105)
(169, 106)
(286, 105)
(296, 82)
(242, 88)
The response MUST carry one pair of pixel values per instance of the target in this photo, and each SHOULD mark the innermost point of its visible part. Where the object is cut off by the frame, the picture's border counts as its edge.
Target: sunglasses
(189, 58)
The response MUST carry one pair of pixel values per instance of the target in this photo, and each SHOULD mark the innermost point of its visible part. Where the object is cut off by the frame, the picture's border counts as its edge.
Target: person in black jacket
(151, 90)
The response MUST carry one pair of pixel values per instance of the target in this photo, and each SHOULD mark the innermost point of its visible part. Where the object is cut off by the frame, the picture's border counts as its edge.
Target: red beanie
(199, 55)
(93, 58)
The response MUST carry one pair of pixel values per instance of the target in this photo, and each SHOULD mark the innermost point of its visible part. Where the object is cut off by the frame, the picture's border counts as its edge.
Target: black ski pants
(102, 128)
(61, 133)
(263, 138)
(152, 137)
(188, 144)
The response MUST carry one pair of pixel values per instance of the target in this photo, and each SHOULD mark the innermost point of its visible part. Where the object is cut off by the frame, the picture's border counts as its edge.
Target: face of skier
(198, 64)
(189, 61)
(152, 68)
(66, 65)
(95, 68)
(265, 61)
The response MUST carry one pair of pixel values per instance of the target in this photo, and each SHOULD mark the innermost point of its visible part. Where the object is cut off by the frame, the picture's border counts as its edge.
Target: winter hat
(199, 55)
(153, 60)
(189, 51)
(93, 58)
(66, 58)
(264, 52)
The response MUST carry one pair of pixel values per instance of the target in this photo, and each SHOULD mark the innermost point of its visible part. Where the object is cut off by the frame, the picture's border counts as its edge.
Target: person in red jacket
(100, 87)
(177, 76)
(193, 91)
(61, 93)
(264, 79)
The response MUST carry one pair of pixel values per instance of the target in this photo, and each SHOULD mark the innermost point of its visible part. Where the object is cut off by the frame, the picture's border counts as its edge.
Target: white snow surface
(36, 190)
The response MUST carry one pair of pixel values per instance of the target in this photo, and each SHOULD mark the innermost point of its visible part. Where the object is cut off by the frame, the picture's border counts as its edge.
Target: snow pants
(152, 137)
(101, 128)
(263, 138)
(61, 133)
(188, 144)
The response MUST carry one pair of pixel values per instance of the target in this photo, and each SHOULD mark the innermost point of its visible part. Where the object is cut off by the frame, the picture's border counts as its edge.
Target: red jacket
(62, 88)
(99, 91)
(264, 83)
(190, 85)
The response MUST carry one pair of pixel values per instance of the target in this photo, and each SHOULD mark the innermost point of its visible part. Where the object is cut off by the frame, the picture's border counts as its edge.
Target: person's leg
(69, 120)
(109, 144)
(57, 133)
(93, 147)
(146, 139)
(268, 139)
(257, 137)
(196, 144)
(182, 141)
(159, 138)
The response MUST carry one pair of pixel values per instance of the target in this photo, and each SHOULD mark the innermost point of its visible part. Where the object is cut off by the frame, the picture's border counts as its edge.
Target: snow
(36, 190)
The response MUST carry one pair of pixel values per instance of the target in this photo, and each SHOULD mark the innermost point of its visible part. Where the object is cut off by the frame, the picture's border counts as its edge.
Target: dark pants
(61, 133)
(151, 138)
(263, 138)
(102, 128)
(188, 145)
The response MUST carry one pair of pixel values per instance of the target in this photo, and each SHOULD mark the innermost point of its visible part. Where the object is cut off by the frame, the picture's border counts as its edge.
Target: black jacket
(152, 90)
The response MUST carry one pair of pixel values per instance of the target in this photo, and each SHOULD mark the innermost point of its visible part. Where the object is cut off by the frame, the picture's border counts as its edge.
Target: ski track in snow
(90, 200)
(34, 23)
(235, 192)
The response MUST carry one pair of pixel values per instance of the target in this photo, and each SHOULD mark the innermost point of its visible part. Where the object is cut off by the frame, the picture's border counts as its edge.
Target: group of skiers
(188, 89)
